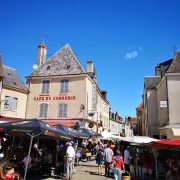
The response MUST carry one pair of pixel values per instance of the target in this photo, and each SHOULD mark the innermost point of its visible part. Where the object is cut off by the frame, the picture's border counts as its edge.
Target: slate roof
(140, 106)
(12, 78)
(151, 82)
(64, 62)
(165, 66)
(175, 65)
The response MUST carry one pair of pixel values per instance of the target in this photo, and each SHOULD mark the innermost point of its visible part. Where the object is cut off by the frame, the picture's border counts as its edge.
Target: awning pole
(12, 146)
(30, 146)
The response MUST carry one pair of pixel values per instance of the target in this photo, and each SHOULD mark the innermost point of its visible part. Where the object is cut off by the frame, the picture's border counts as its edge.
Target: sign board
(54, 98)
(163, 104)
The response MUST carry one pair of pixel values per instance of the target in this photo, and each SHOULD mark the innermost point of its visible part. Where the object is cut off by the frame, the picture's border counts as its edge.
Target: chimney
(90, 67)
(158, 70)
(42, 51)
(103, 92)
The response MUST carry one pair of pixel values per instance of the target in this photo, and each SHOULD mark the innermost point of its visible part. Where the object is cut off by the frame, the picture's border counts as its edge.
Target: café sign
(54, 98)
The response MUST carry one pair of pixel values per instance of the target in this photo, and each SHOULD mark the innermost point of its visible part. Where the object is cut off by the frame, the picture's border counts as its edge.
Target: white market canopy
(139, 139)
(109, 136)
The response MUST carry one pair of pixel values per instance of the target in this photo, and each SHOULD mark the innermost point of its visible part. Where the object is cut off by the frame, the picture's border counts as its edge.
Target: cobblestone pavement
(85, 170)
(88, 171)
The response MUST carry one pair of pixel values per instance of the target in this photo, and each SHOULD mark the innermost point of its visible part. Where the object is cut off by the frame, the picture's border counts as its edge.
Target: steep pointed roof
(1, 67)
(64, 62)
(151, 82)
(12, 78)
(175, 65)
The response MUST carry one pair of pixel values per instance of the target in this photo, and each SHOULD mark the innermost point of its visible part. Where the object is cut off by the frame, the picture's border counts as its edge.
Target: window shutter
(45, 87)
(43, 110)
(63, 110)
(62, 86)
(60, 110)
(66, 86)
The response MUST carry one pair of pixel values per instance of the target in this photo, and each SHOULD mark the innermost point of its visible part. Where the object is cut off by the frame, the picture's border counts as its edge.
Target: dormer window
(68, 67)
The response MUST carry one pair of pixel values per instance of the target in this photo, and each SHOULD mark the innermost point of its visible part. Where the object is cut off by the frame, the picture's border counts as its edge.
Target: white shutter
(63, 110)
(43, 112)
(45, 87)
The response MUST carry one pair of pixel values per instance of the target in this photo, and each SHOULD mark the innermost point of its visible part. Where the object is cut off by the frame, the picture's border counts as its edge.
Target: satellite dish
(35, 66)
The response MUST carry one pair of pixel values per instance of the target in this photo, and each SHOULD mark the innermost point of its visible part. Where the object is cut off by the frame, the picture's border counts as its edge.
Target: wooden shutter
(45, 86)
(64, 86)
(63, 110)
(43, 110)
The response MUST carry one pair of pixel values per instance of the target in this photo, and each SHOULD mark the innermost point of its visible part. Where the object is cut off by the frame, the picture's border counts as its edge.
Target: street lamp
(6, 105)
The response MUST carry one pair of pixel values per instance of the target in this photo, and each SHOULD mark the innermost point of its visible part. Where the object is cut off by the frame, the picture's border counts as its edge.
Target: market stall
(34, 129)
(73, 132)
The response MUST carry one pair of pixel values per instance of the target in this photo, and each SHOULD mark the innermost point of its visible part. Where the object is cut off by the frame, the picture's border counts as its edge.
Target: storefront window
(64, 86)
(45, 87)
(63, 110)
(43, 113)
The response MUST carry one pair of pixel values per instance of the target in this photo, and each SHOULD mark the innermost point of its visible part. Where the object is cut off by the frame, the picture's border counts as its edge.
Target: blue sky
(125, 39)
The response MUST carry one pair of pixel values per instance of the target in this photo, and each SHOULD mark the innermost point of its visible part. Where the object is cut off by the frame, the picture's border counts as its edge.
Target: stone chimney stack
(42, 52)
(90, 67)
(158, 70)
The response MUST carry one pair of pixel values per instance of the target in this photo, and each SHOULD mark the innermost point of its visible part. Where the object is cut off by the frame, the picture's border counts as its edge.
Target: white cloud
(131, 55)
(140, 47)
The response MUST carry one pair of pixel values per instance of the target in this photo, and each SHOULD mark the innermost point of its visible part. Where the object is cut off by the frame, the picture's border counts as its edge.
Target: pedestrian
(7, 172)
(127, 159)
(70, 154)
(108, 156)
(99, 160)
(148, 161)
(118, 165)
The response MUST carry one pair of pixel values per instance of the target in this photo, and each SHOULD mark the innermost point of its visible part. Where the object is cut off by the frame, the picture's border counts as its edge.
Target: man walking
(127, 159)
(108, 156)
(70, 154)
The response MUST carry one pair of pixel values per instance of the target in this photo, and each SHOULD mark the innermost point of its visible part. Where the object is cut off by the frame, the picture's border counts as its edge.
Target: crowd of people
(118, 158)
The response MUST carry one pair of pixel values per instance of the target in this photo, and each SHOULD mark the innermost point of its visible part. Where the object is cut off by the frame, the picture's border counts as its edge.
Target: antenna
(44, 39)
(175, 49)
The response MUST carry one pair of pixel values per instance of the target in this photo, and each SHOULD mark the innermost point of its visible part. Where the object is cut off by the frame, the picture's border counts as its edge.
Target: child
(99, 160)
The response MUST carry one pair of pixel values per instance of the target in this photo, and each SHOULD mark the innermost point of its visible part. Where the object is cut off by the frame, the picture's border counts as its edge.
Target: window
(12, 103)
(64, 86)
(45, 87)
(63, 110)
(43, 112)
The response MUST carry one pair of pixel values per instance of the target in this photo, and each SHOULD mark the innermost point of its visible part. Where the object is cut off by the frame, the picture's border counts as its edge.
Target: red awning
(164, 144)
(65, 122)
(3, 118)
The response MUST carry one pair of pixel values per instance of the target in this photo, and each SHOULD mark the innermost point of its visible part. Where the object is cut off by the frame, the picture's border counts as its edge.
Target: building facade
(168, 98)
(140, 119)
(13, 95)
(150, 106)
(61, 91)
(116, 124)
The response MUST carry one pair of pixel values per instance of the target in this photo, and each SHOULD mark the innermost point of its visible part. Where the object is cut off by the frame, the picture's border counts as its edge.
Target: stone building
(116, 124)
(13, 94)
(61, 91)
